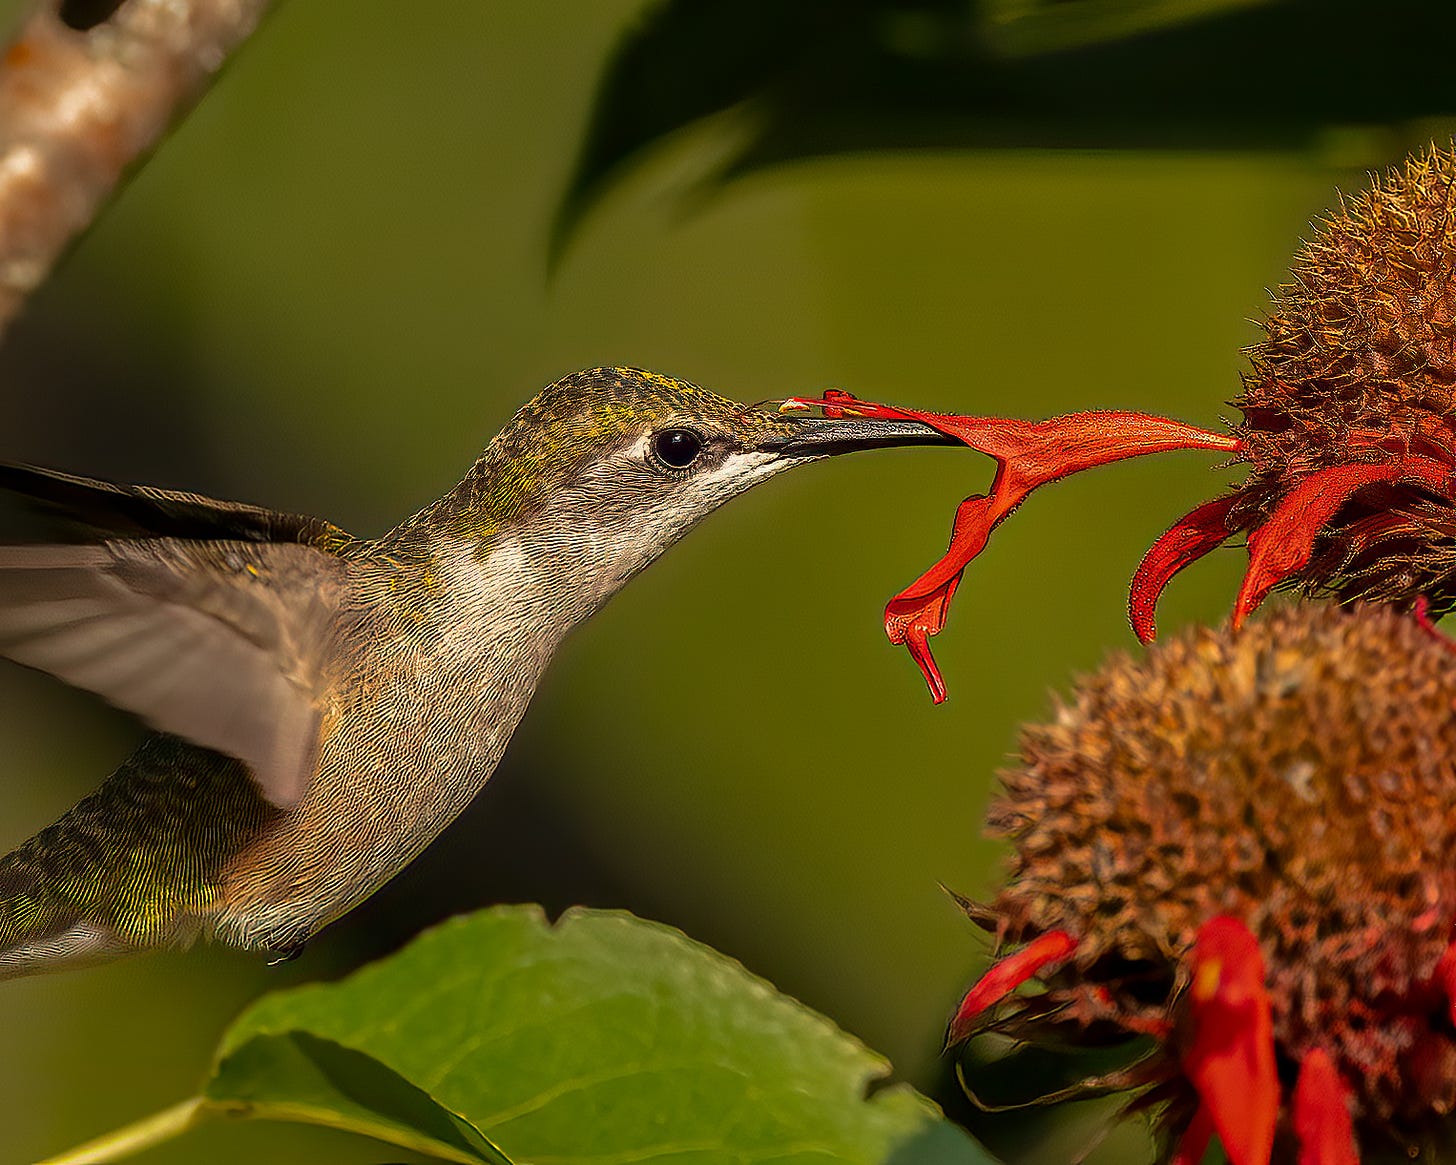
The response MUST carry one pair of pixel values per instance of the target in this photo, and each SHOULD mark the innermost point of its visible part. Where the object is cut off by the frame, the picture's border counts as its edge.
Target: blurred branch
(86, 90)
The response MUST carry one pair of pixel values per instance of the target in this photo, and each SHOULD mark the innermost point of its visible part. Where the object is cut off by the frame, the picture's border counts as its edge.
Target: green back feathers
(138, 860)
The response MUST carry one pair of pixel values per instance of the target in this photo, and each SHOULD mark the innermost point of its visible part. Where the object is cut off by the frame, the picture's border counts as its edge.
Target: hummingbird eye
(677, 448)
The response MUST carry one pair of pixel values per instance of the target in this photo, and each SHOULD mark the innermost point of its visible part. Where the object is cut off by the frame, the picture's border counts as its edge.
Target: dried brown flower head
(1295, 782)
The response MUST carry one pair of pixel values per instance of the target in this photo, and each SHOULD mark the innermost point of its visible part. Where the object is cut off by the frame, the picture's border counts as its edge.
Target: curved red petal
(1322, 1114)
(1197, 533)
(1006, 976)
(1230, 1059)
(1285, 541)
(1370, 530)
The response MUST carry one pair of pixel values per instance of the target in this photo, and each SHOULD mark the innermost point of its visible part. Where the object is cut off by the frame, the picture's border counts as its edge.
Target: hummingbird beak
(823, 437)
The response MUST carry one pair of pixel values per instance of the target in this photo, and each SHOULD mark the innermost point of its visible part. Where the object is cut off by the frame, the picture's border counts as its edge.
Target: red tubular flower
(1249, 837)
(1028, 454)
(1322, 1113)
(1048, 950)
(1346, 430)
(1230, 1059)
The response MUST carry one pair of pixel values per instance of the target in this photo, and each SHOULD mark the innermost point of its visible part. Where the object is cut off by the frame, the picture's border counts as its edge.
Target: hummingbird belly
(399, 759)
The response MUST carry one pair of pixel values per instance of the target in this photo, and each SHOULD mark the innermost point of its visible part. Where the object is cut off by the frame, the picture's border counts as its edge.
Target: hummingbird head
(607, 468)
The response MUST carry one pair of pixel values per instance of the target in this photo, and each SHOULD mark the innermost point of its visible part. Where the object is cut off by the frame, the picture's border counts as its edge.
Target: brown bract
(1298, 777)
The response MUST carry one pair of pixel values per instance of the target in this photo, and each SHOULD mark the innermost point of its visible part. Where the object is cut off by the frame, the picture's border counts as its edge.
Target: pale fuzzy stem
(78, 108)
(143, 1134)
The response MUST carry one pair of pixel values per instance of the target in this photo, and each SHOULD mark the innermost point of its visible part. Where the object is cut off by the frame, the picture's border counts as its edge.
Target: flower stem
(139, 1135)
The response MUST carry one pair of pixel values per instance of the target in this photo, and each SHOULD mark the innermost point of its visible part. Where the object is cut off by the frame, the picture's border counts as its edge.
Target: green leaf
(829, 77)
(604, 1039)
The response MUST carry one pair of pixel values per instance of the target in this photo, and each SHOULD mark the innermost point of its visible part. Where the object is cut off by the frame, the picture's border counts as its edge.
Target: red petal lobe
(1322, 1114)
(1006, 976)
(916, 637)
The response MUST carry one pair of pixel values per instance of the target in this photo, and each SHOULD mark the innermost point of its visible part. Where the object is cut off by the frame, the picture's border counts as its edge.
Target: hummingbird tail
(136, 865)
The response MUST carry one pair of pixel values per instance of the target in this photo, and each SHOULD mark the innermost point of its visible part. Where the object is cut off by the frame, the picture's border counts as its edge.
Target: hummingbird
(325, 705)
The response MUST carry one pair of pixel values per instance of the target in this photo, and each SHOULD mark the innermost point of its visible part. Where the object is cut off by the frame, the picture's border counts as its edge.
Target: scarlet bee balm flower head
(1240, 846)
(1347, 430)
(1350, 397)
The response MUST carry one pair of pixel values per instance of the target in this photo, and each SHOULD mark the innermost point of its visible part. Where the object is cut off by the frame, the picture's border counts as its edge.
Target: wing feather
(222, 642)
(142, 511)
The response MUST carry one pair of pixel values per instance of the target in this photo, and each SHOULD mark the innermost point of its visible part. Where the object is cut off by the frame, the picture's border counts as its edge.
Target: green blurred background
(329, 289)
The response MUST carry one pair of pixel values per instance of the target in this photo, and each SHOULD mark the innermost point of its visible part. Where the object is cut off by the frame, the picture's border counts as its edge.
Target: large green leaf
(610, 1038)
(822, 77)
(600, 1039)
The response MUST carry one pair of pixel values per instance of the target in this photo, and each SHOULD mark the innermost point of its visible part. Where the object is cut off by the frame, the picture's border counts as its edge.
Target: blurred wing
(142, 511)
(219, 642)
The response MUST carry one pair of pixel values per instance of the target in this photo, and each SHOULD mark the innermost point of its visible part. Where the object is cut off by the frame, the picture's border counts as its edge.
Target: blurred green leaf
(825, 77)
(603, 1037)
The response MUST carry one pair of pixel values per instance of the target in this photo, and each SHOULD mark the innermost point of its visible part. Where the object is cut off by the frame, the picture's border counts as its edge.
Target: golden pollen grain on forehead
(607, 400)
(605, 406)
